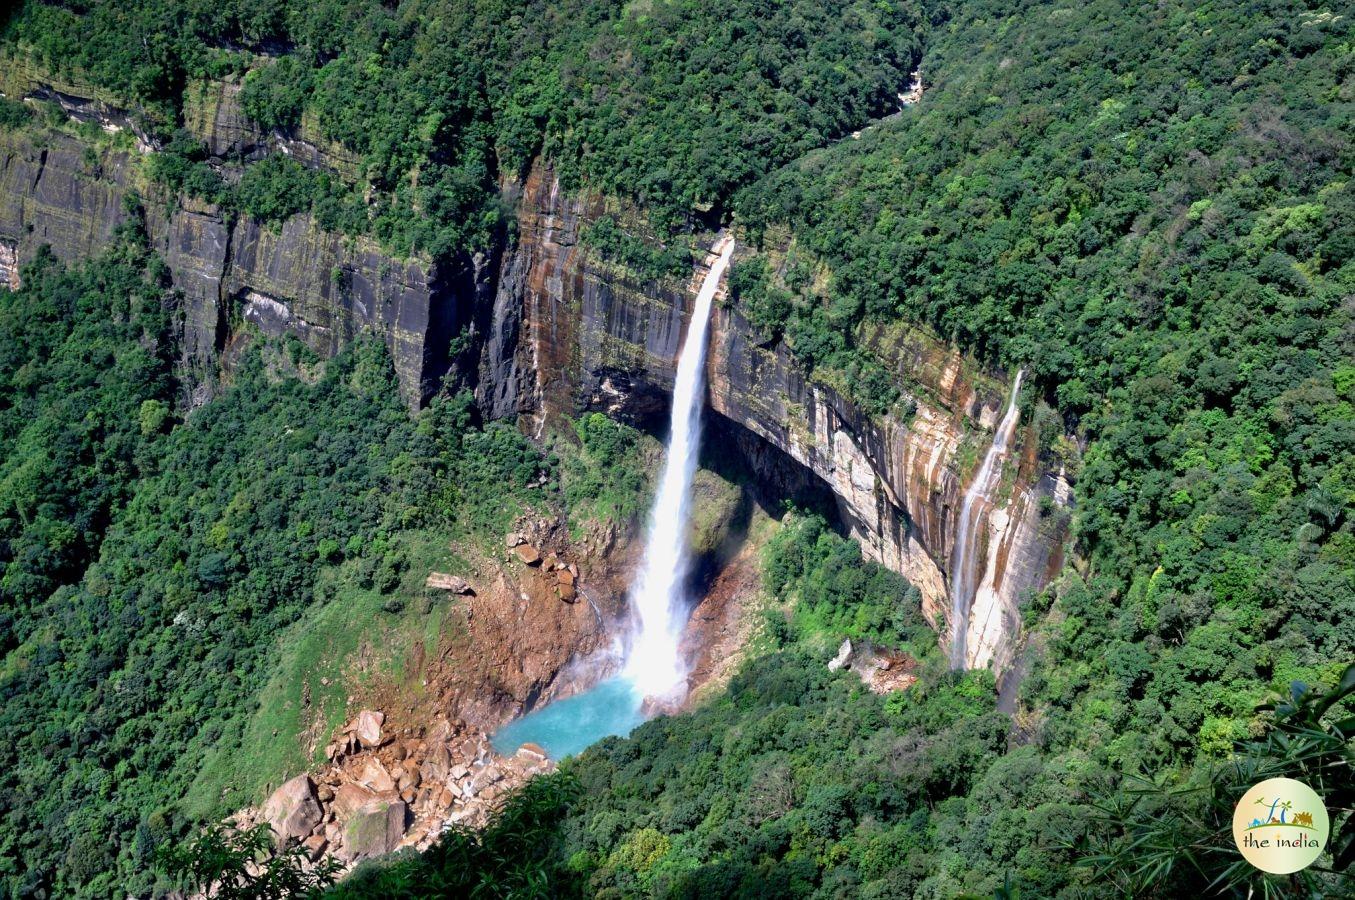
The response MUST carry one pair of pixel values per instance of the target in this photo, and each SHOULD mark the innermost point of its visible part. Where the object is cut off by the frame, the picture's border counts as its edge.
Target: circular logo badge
(1280, 825)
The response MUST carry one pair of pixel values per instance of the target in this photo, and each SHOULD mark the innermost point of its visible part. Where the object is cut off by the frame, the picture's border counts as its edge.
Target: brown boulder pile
(363, 732)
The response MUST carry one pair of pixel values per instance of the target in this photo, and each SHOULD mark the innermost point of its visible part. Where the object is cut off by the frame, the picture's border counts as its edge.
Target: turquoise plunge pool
(568, 726)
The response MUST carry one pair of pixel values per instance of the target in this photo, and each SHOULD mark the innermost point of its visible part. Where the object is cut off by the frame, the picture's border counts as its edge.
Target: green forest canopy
(673, 104)
(1148, 205)
(148, 564)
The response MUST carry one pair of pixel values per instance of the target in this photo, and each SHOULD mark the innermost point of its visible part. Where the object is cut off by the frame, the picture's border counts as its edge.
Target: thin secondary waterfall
(656, 599)
(966, 568)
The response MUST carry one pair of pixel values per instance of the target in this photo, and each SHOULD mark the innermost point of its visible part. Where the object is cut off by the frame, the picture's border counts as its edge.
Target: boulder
(292, 811)
(367, 728)
(565, 585)
(844, 656)
(315, 846)
(441, 581)
(437, 763)
(514, 539)
(373, 776)
(375, 829)
(349, 798)
(528, 554)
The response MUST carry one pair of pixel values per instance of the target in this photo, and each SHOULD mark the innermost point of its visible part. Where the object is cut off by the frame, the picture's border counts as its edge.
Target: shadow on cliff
(768, 480)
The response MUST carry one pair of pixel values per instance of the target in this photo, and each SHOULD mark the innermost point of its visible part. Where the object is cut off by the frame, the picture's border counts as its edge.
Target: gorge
(585, 448)
(544, 328)
(554, 329)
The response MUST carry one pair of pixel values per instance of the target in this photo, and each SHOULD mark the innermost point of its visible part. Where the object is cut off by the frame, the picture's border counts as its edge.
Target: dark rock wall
(59, 191)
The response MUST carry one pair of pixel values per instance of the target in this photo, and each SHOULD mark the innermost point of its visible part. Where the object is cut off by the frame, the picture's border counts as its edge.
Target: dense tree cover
(836, 594)
(1150, 834)
(679, 103)
(85, 388)
(1149, 207)
(149, 564)
(672, 104)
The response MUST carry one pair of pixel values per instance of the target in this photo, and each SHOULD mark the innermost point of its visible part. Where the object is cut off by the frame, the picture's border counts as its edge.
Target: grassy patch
(352, 640)
(607, 470)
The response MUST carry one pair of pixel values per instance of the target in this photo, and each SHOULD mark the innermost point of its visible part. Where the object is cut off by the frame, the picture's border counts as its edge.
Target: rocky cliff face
(557, 330)
(58, 190)
(569, 331)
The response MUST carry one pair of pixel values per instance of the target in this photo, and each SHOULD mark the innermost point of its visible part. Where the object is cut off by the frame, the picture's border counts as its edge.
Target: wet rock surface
(588, 335)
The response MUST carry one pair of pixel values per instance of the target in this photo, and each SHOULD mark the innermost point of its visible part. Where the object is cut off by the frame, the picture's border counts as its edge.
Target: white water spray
(653, 664)
(966, 563)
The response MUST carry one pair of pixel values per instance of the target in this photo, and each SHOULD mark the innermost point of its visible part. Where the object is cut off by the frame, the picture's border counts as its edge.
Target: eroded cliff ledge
(570, 331)
(69, 194)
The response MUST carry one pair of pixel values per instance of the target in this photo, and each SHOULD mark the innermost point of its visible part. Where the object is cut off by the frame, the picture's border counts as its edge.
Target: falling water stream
(652, 662)
(966, 568)
(653, 670)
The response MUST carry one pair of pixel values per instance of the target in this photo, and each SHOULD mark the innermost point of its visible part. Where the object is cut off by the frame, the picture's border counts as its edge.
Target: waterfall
(656, 599)
(966, 566)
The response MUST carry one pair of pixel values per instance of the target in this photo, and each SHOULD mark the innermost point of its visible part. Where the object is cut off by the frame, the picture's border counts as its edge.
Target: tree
(227, 864)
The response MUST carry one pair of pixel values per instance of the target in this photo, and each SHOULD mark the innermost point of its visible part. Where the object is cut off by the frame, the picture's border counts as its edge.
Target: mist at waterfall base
(653, 674)
(967, 563)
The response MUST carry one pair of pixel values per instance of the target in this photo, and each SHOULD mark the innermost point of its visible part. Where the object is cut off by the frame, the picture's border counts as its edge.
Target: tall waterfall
(652, 663)
(966, 567)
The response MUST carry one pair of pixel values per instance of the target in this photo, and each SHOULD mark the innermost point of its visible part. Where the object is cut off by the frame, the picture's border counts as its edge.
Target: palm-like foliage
(227, 864)
(1165, 838)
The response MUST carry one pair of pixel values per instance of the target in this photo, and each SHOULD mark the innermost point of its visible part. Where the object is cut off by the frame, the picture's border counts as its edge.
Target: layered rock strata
(62, 192)
(555, 330)
(570, 331)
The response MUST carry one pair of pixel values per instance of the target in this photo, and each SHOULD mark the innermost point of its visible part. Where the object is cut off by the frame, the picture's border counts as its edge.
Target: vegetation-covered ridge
(673, 104)
(1150, 208)
(148, 564)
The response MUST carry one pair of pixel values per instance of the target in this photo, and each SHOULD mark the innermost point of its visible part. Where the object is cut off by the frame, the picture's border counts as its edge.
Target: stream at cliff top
(652, 668)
